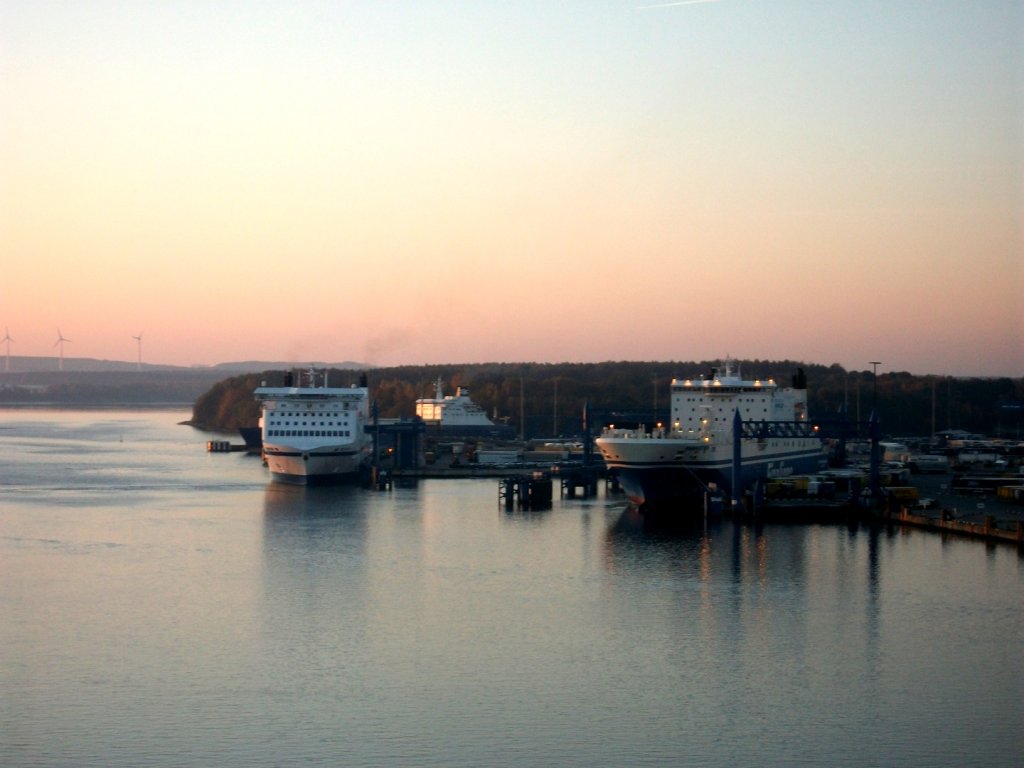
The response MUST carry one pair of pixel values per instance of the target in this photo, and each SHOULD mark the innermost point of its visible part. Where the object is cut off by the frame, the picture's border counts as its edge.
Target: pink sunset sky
(453, 182)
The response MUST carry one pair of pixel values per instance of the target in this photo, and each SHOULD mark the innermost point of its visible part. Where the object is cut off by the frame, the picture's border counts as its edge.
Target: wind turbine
(7, 339)
(139, 340)
(60, 342)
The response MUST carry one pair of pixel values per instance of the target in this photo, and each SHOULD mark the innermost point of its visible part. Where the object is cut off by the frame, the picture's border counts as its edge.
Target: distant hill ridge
(26, 364)
(88, 382)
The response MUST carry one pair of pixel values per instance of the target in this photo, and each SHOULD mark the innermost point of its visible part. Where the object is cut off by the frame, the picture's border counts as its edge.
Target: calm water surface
(162, 606)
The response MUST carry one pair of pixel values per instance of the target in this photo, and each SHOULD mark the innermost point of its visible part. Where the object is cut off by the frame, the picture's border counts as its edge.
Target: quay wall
(945, 522)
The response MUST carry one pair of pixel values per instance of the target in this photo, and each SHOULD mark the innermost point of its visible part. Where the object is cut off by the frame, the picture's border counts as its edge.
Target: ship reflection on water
(441, 601)
(702, 546)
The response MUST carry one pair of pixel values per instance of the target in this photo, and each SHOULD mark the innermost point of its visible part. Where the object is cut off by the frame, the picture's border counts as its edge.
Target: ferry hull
(319, 466)
(682, 486)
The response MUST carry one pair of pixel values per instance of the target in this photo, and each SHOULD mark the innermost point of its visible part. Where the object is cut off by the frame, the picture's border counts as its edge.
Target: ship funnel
(799, 379)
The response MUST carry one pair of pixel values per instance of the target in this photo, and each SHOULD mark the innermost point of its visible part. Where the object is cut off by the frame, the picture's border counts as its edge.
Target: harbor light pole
(874, 382)
(875, 433)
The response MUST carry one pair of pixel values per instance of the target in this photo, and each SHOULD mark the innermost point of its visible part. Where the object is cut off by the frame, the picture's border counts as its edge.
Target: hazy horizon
(406, 184)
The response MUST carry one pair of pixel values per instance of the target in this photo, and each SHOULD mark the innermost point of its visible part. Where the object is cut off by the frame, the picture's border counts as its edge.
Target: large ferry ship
(458, 415)
(314, 433)
(694, 454)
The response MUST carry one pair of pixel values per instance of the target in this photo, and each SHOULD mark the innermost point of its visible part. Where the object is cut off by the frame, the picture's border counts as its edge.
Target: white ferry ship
(314, 433)
(457, 415)
(678, 463)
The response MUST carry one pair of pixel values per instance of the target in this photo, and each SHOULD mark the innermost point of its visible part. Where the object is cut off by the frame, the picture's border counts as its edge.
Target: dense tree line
(547, 399)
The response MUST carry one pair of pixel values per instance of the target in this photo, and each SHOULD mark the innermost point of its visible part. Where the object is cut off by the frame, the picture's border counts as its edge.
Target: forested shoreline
(547, 399)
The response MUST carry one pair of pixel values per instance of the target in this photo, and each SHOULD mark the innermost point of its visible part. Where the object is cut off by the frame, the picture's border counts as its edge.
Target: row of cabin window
(308, 409)
(309, 433)
(739, 399)
(697, 418)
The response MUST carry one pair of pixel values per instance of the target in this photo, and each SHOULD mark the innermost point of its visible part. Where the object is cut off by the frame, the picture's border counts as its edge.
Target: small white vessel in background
(315, 433)
(458, 415)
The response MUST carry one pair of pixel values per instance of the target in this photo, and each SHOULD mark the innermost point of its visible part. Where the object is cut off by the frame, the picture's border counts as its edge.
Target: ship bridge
(720, 387)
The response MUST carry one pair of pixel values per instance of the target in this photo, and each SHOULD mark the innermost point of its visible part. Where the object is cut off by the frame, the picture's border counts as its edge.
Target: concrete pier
(526, 491)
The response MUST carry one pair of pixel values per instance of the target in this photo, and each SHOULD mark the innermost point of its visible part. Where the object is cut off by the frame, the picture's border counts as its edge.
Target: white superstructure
(314, 433)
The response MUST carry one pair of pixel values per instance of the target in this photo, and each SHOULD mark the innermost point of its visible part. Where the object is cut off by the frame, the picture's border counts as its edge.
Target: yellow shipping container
(1011, 492)
(903, 492)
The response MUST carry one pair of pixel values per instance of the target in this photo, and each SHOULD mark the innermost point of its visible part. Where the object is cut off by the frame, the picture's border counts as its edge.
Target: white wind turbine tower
(60, 342)
(139, 340)
(7, 339)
